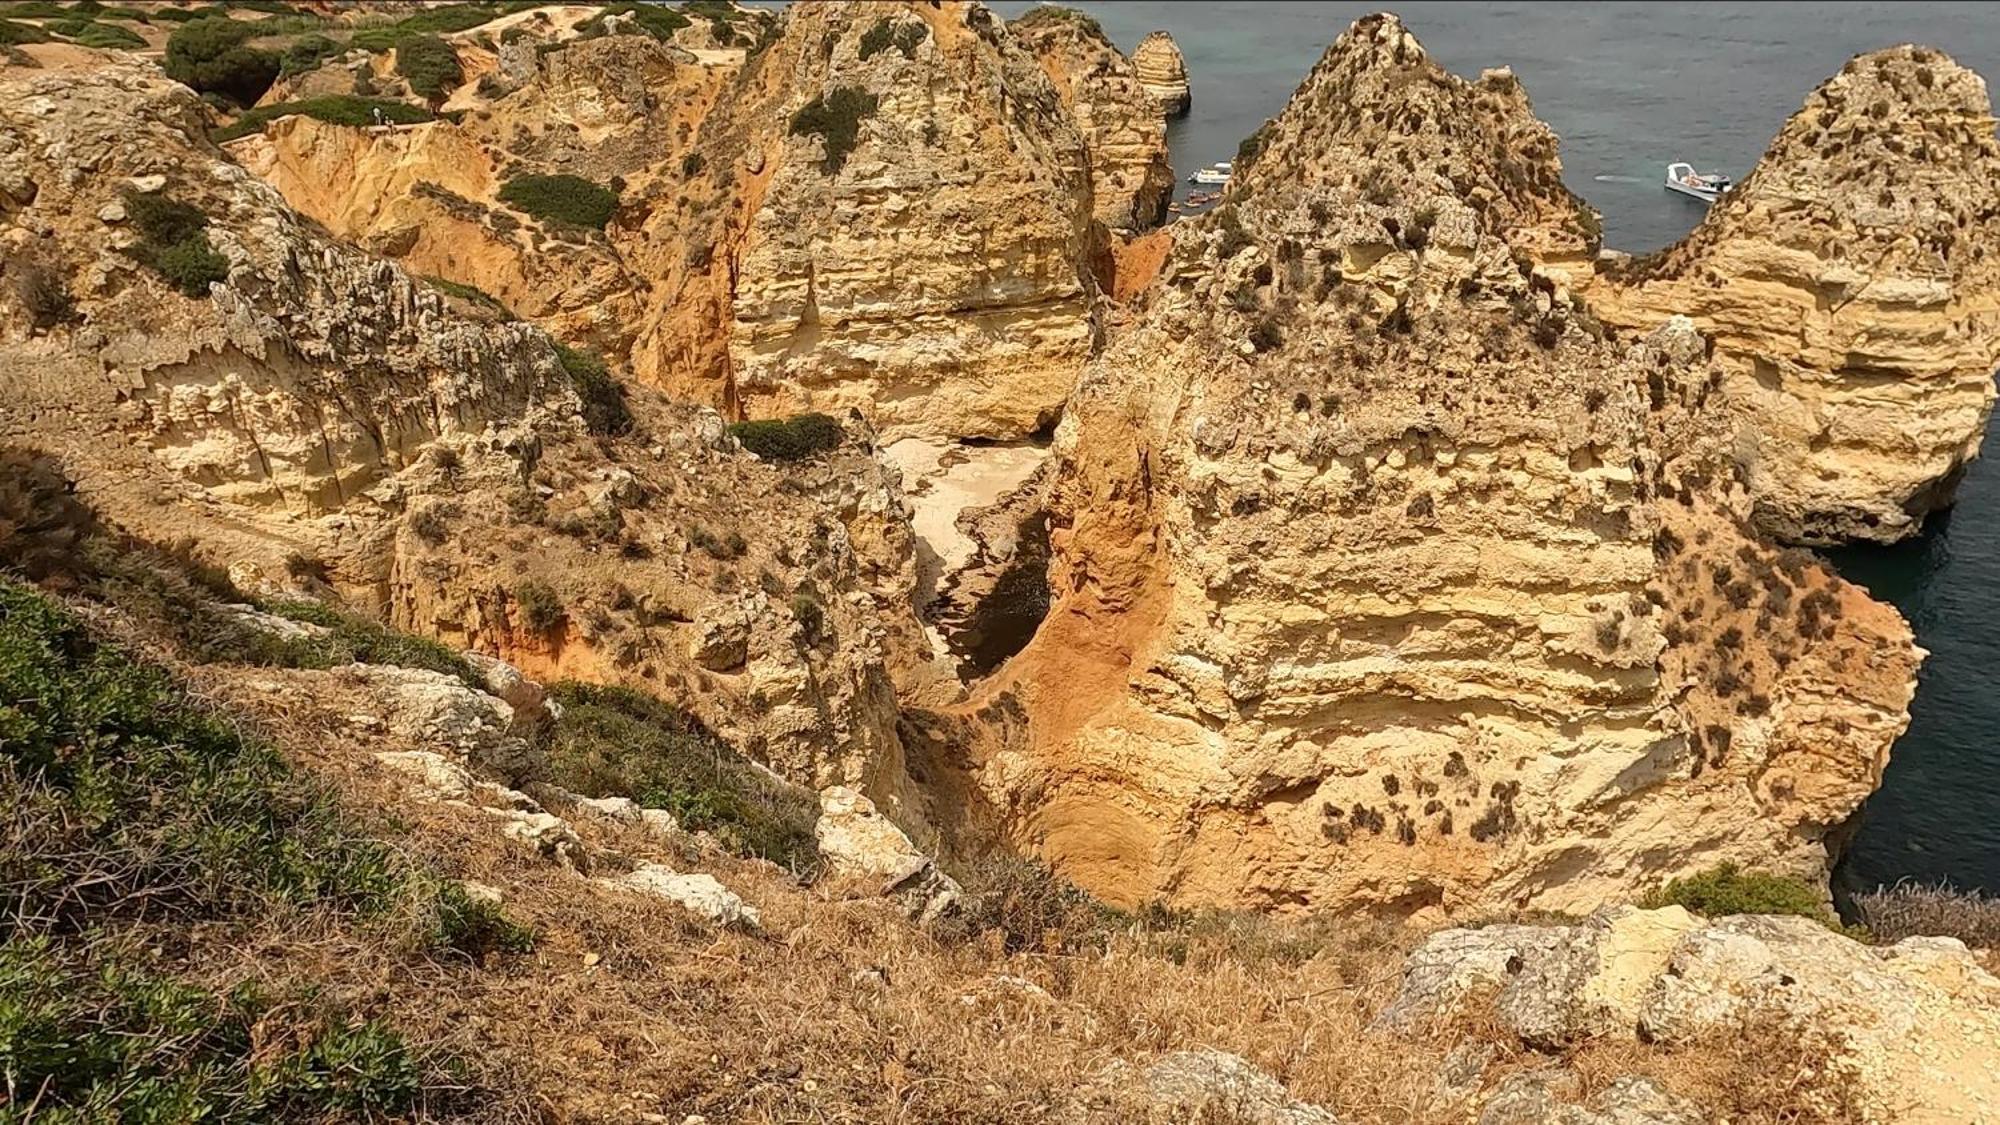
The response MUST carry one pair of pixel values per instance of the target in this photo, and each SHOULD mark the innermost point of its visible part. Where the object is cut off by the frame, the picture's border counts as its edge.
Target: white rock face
(1915, 1025)
(502, 679)
(858, 841)
(441, 712)
(700, 895)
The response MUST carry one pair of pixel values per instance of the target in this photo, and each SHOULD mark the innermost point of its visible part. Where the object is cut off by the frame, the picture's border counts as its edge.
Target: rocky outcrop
(1852, 291)
(1387, 580)
(321, 421)
(1206, 1086)
(1130, 179)
(902, 227)
(1913, 1028)
(1163, 73)
(858, 842)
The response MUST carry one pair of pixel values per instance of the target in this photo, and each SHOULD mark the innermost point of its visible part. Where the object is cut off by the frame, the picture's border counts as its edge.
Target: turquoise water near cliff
(1628, 88)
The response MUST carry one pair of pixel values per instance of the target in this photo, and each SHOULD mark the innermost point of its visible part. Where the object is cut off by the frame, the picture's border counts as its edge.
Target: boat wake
(1620, 180)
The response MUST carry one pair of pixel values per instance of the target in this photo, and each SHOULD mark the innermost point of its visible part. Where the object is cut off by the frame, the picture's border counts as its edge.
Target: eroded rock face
(1852, 289)
(907, 230)
(1163, 72)
(1914, 1026)
(321, 419)
(1130, 179)
(1385, 580)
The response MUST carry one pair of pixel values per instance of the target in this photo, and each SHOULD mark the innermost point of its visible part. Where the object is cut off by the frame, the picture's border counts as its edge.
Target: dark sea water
(1630, 87)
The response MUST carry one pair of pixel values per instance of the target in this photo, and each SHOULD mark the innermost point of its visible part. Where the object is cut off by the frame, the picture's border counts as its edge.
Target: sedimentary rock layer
(1853, 293)
(1385, 579)
(1130, 180)
(1163, 72)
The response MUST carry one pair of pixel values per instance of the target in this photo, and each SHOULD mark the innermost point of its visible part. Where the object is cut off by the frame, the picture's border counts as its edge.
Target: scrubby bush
(103, 36)
(541, 607)
(613, 741)
(1894, 913)
(430, 65)
(885, 33)
(335, 109)
(42, 292)
(355, 639)
(604, 411)
(473, 294)
(1030, 908)
(306, 55)
(14, 34)
(1725, 889)
(811, 617)
(789, 439)
(656, 20)
(212, 56)
(563, 199)
(835, 118)
(173, 240)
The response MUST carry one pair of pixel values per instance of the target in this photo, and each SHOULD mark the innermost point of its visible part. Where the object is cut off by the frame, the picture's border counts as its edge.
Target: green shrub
(357, 640)
(811, 617)
(1726, 890)
(307, 54)
(173, 240)
(655, 20)
(604, 411)
(563, 199)
(472, 293)
(1033, 909)
(789, 439)
(335, 109)
(211, 56)
(16, 34)
(429, 65)
(98, 1035)
(835, 118)
(541, 607)
(613, 741)
(102, 36)
(42, 291)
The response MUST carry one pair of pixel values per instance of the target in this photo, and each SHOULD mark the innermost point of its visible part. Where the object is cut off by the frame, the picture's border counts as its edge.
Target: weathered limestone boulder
(1163, 73)
(1209, 1085)
(702, 896)
(1914, 1026)
(437, 710)
(1130, 179)
(1385, 579)
(856, 841)
(1537, 1099)
(1852, 288)
(435, 776)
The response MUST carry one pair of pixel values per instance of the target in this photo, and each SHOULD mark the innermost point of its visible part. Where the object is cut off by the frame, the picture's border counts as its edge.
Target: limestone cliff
(1130, 179)
(1852, 292)
(1163, 72)
(898, 222)
(1386, 580)
(319, 421)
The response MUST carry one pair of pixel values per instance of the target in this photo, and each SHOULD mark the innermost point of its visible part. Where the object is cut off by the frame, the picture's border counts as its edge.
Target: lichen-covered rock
(1386, 580)
(1852, 287)
(1130, 179)
(438, 711)
(1915, 1027)
(1535, 1099)
(1209, 1085)
(1163, 73)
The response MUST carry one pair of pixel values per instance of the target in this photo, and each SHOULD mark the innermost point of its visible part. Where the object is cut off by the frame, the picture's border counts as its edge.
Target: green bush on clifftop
(211, 56)
(789, 439)
(835, 118)
(564, 199)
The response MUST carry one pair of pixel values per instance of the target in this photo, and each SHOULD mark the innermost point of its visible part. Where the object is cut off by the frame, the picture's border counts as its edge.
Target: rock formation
(898, 223)
(1853, 296)
(1914, 1027)
(1163, 72)
(1386, 579)
(319, 420)
(1130, 179)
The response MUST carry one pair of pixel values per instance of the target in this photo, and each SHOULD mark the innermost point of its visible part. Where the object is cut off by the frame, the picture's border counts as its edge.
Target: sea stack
(1163, 72)
(1850, 291)
(1386, 579)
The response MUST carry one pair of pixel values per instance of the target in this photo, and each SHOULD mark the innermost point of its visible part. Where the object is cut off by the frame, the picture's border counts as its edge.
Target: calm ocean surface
(1628, 88)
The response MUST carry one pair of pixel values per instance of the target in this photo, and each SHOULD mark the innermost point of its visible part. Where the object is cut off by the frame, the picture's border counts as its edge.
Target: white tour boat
(1707, 187)
(1217, 173)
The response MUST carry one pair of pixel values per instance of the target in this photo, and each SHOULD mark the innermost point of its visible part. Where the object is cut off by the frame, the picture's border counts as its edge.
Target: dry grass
(1907, 910)
(842, 1011)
